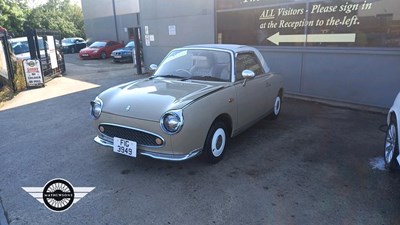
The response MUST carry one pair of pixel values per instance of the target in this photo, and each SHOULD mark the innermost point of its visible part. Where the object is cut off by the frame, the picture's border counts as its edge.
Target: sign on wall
(33, 73)
(354, 23)
(3, 62)
(52, 51)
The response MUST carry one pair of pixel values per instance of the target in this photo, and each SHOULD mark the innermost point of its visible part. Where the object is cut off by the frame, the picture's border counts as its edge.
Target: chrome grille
(140, 137)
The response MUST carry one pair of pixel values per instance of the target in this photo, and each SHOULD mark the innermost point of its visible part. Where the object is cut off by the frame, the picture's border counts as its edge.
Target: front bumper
(123, 59)
(155, 155)
(89, 55)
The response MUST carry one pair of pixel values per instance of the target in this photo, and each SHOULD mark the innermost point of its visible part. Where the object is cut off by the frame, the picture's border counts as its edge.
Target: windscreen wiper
(167, 76)
(207, 78)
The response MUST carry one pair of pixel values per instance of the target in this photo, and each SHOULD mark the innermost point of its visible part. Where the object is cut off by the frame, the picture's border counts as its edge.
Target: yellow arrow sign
(295, 38)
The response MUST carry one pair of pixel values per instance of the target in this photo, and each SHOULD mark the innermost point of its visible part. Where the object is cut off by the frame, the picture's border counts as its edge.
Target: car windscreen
(68, 41)
(197, 64)
(130, 44)
(98, 44)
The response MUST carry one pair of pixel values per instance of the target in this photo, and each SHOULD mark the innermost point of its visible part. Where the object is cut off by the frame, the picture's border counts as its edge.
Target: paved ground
(314, 165)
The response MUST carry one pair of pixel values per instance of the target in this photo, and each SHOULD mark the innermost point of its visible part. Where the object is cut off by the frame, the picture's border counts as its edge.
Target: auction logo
(58, 194)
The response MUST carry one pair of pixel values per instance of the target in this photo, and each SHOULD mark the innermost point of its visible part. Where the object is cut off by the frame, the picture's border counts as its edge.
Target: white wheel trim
(218, 151)
(390, 142)
(277, 106)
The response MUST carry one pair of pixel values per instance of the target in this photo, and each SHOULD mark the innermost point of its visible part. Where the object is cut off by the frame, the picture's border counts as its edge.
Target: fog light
(159, 141)
(101, 128)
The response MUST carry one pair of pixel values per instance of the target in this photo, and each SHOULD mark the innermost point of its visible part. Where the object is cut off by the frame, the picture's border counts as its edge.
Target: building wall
(361, 76)
(364, 72)
(191, 21)
(100, 22)
(362, 69)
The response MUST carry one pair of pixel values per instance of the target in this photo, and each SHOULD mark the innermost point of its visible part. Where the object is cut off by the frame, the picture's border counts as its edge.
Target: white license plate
(85, 54)
(125, 147)
(117, 56)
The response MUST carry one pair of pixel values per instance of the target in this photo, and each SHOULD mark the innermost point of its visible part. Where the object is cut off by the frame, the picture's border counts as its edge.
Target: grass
(6, 92)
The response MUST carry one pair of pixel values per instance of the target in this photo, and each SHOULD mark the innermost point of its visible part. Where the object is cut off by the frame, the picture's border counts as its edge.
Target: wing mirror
(153, 67)
(247, 75)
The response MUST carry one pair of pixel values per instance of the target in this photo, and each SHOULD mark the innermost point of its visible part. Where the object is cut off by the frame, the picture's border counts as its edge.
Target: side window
(247, 61)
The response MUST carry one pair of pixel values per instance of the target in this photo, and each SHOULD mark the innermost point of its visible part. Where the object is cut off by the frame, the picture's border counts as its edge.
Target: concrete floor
(314, 165)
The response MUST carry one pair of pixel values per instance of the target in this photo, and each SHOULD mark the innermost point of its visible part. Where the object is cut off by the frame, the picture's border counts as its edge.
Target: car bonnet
(149, 99)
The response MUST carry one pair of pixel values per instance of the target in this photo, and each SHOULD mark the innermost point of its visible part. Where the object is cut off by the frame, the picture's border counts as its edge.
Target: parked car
(124, 54)
(392, 140)
(197, 99)
(21, 50)
(72, 45)
(99, 49)
(20, 47)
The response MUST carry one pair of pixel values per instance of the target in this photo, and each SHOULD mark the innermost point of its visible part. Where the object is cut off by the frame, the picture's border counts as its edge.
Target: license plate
(85, 54)
(125, 147)
(117, 56)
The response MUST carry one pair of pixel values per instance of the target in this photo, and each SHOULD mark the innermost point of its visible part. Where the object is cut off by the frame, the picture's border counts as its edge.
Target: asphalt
(316, 164)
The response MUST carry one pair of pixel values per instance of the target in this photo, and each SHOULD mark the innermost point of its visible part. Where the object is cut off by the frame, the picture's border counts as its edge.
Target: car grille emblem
(128, 108)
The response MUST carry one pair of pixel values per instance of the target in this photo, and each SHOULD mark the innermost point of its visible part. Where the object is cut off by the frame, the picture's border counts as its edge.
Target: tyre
(214, 146)
(277, 107)
(72, 50)
(391, 150)
(103, 55)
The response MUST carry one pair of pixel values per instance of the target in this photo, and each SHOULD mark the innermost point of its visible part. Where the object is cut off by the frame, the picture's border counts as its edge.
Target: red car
(99, 49)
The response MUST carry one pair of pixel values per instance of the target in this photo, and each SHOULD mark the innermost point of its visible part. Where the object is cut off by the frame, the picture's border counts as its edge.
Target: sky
(36, 3)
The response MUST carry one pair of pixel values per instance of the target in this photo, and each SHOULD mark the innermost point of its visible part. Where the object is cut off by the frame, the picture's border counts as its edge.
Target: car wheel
(391, 146)
(72, 50)
(103, 55)
(215, 143)
(277, 107)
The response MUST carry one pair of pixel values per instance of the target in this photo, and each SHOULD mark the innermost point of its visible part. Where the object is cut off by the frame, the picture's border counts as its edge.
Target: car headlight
(95, 108)
(172, 121)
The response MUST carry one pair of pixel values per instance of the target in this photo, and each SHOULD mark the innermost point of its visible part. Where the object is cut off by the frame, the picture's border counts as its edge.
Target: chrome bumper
(155, 155)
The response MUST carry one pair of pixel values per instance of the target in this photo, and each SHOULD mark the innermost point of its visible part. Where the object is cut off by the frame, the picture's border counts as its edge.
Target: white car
(21, 47)
(392, 140)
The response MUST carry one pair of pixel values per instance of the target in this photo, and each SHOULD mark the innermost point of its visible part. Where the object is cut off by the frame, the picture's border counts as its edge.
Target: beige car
(198, 98)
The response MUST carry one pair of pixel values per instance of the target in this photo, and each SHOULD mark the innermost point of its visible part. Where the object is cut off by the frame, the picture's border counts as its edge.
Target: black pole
(115, 20)
(137, 50)
(31, 33)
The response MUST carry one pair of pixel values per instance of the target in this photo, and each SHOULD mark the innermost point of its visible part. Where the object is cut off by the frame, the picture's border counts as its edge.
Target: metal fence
(45, 45)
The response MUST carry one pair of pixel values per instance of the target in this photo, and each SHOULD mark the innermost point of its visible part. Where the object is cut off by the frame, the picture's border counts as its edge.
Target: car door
(253, 95)
(81, 43)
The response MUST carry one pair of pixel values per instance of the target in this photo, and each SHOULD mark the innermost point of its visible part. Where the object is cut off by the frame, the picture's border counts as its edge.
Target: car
(124, 54)
(392, 139)
(73, 45)
(21, 50)
(99, 49)
(20, 47)
(196, 100)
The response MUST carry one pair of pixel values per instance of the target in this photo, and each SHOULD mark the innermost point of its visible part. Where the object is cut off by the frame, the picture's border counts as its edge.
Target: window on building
(330, 23)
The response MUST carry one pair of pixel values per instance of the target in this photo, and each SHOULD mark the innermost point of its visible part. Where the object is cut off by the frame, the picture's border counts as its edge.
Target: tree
(12, 15)
(58, 15)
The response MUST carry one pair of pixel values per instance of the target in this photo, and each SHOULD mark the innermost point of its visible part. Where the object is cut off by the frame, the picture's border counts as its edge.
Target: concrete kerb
(338, 104)
(3, 219)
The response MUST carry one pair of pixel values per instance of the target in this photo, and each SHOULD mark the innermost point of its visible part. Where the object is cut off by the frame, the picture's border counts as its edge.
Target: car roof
(19, 39)
(230, 47)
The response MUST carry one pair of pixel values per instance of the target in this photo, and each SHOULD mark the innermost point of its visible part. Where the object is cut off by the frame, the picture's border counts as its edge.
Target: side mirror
(248, 74)
(153, 67)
